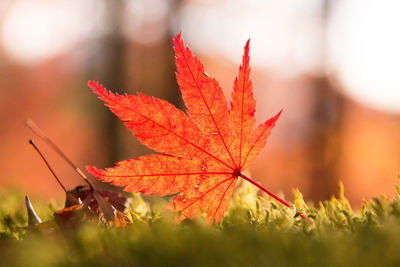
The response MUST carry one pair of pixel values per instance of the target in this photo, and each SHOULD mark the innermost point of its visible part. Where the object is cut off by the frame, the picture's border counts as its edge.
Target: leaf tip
(96, 87)
(93, 170)
(93, 84)
(179, 45)
(179, 35)
(275, 118)
(247, 46)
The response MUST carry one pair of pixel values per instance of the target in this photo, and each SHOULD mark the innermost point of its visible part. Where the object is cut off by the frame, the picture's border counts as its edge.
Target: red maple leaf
(201, 153)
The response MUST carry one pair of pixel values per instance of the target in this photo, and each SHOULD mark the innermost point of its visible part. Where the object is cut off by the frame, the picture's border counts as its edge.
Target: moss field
(254, 232)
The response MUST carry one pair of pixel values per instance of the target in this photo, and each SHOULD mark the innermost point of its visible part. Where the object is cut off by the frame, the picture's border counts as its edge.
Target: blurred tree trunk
(325, 139)
(135, 66)
(113, 76)
(112, 50)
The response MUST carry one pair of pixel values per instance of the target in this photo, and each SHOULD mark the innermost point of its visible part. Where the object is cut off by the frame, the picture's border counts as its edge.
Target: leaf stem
(273, 195)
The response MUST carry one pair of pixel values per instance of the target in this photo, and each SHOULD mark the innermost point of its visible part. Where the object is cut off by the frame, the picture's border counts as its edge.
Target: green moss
(255, 232)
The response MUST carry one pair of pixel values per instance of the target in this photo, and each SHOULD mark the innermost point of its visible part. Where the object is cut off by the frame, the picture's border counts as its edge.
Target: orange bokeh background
(327, 133)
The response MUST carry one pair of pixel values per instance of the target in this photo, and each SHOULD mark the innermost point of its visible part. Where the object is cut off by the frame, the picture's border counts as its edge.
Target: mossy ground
(254, 232)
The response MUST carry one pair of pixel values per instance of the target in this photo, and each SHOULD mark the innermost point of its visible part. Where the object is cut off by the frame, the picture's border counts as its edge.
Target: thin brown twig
(47, 164)
(31, 125)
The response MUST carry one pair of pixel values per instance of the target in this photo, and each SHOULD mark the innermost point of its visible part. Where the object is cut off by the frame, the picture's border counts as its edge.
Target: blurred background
(332, 66)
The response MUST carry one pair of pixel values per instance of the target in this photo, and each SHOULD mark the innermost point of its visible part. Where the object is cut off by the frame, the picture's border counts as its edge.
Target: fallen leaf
(94, 208)
(97, 203)
(118, 200)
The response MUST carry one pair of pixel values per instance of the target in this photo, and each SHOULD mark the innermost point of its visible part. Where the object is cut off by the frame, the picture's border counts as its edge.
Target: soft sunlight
(362, 39)
(47, 29)
(364, 51)
(286, 35)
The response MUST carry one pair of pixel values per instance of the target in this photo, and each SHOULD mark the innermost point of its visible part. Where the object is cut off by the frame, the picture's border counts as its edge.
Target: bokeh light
(364, 51)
